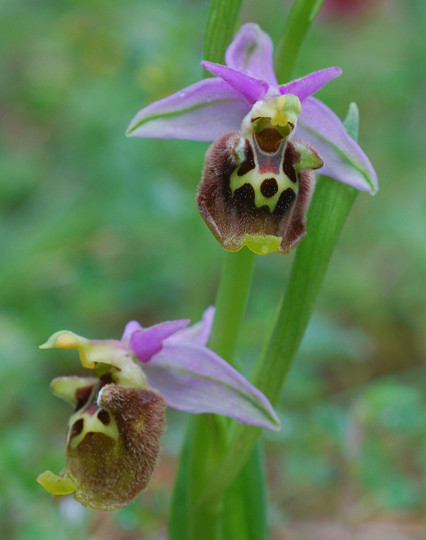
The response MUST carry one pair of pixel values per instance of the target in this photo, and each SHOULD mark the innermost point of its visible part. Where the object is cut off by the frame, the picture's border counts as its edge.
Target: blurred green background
(97, 229)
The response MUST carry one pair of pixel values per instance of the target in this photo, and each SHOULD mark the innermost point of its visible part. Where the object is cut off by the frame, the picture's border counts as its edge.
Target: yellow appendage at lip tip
(262, 244)
(55, 484)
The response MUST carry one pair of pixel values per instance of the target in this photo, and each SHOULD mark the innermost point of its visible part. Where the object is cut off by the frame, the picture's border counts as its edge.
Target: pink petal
(308, 85)
(201, 112)
(198, 333)
(251, 52)
(131, 327)
(252, 89)
(343, 158)
(147, 342)
(193, 378)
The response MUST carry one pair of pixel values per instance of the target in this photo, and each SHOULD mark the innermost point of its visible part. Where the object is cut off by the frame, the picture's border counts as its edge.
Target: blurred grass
(96, 229)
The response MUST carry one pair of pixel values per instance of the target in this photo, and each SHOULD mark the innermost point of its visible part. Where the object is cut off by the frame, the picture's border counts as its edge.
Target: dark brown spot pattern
(244, 198)
(82, 396)
(269, 187)
(103, 416)
(77, 428)
(285, 202)
(290, 157)
(248, 164)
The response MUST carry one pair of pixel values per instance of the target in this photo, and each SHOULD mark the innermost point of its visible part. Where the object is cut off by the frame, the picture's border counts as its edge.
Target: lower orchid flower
(258, 178)
(113, 435)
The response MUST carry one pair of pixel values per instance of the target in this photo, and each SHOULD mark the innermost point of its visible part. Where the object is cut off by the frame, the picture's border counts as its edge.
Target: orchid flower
(113, 436)
(258, 178)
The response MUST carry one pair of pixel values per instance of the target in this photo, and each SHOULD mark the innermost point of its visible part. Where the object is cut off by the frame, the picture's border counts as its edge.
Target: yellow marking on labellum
(92, 424)
(57, 485)
(256, 180)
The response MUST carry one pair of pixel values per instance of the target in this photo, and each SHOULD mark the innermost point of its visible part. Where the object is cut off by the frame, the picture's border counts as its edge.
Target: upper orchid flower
(256, 183)
(113, 436)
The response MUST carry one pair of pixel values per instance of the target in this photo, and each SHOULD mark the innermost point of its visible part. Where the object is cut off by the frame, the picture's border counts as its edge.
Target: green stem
(220, 28)
(245, 513)
(298, 23)
(207, 445)
(231, 301)
(208, 432)
(208, 438)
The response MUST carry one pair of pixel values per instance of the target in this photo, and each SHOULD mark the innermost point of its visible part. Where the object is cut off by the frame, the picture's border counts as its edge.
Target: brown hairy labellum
(112, 471)
(257, 188)
(113, 441)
